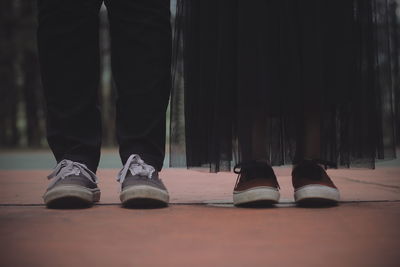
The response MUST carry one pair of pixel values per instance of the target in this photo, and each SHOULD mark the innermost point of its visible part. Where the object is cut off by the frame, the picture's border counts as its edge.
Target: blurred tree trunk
(31, 90)
(32, 99)
(395, 34)
(107, 92)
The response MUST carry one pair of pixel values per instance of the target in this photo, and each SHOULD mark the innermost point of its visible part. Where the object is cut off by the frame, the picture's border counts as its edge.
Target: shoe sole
(259, 195)
(314, 194)
(144, 196)
(71, 196)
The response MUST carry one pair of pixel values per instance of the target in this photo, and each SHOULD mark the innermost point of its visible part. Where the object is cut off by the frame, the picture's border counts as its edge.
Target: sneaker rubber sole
(316, 193)
(70, 196)
(258, 195)
(144, 196)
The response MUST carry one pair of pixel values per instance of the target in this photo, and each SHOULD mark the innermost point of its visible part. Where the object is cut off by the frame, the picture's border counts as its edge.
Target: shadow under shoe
(312, 185)
(256, 185)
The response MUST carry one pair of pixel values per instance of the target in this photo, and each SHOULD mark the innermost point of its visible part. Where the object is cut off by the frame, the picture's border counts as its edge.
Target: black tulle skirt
(246, 70)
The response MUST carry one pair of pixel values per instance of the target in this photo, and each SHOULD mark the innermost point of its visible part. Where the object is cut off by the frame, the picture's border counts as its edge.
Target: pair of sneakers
(257, 184)
(74, 185)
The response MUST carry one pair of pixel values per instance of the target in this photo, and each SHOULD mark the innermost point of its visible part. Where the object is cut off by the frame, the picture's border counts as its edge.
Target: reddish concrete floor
(201, 227)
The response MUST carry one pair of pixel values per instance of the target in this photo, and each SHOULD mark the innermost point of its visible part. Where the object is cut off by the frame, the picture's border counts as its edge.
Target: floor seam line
(369, 183)
(202, 203)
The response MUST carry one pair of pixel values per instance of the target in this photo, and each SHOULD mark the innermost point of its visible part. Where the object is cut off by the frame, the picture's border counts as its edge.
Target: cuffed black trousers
(68, 44)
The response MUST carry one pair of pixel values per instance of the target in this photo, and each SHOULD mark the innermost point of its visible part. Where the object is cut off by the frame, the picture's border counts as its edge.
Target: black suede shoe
(256, 185)
(312, 185)
(141, 186)
(74, 186)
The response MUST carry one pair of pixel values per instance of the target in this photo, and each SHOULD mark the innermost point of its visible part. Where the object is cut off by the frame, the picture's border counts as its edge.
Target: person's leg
(141, 65)
(69, 60)
(309, 135)
(141, 59)
(311, 182)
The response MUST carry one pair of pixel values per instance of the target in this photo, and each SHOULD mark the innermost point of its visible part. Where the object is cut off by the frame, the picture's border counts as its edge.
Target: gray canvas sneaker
(141, 185)
(73, 185)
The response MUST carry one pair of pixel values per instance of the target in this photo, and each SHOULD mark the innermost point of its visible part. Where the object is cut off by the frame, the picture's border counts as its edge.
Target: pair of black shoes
(74, 185)
(258, 185)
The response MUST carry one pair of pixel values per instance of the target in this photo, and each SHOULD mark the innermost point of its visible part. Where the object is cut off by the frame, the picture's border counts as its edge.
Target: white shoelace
(136, 166)
(68, 167)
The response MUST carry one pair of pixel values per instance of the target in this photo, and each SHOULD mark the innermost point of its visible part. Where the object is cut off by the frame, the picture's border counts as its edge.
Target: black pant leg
(69, 60)
(141, 59)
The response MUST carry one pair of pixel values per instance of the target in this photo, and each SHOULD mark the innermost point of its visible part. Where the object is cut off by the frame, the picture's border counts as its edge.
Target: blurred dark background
(22, 122)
